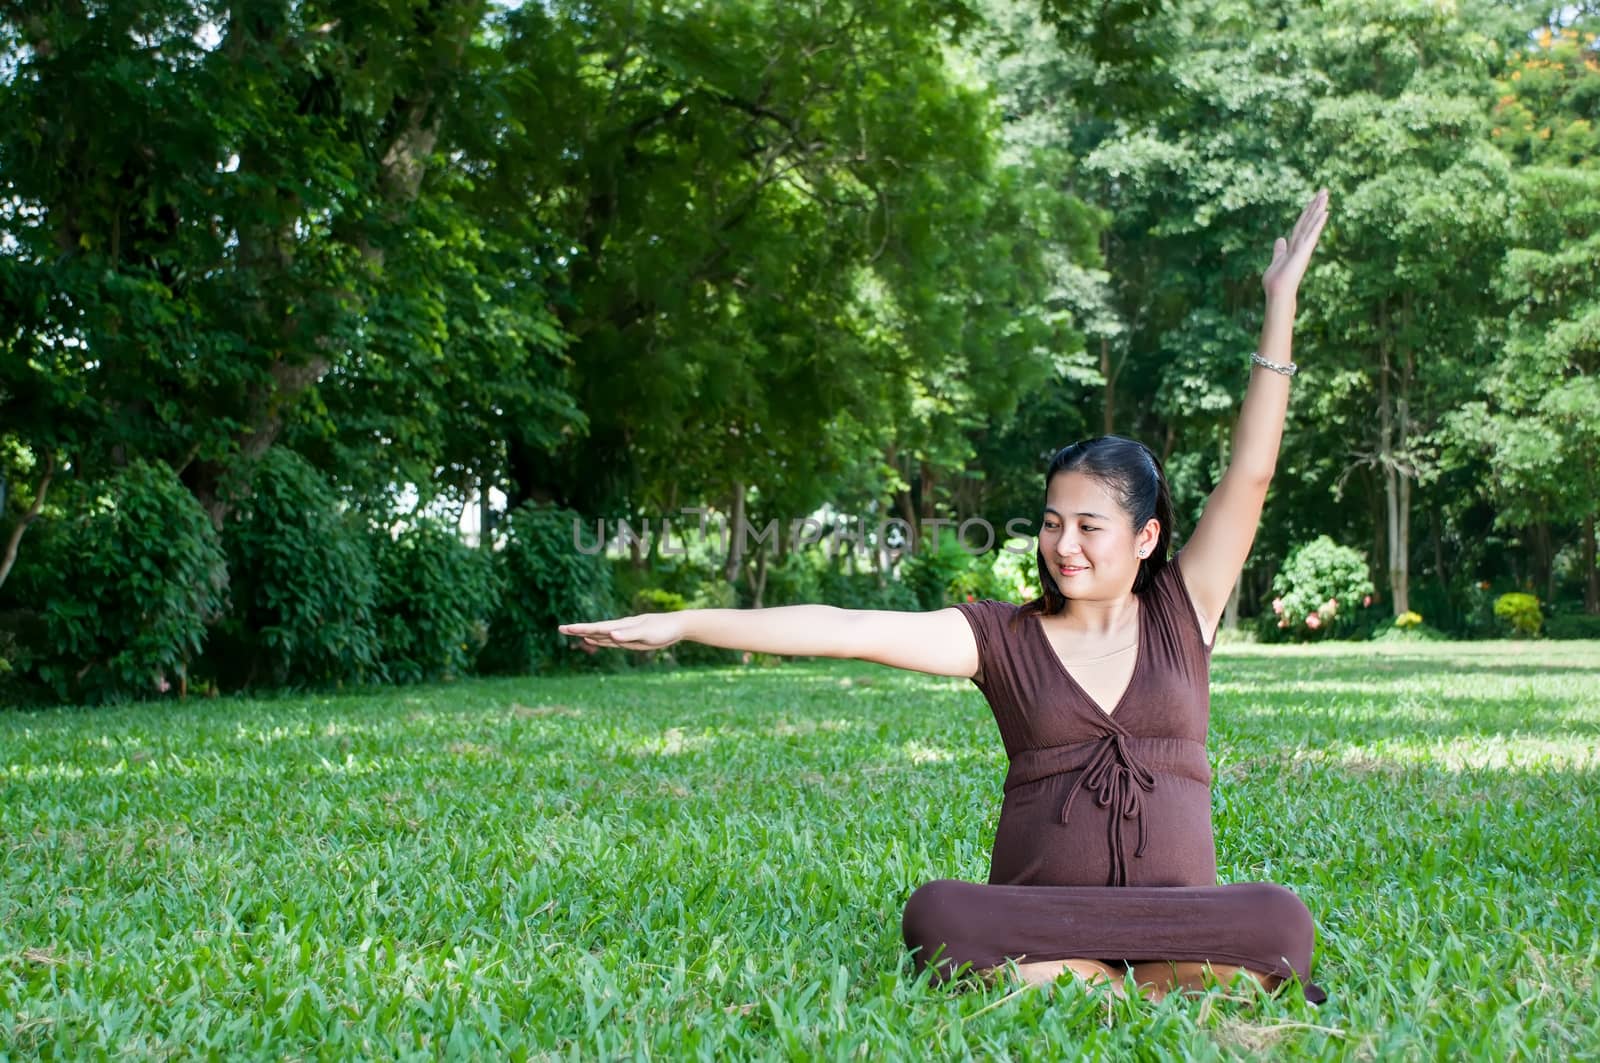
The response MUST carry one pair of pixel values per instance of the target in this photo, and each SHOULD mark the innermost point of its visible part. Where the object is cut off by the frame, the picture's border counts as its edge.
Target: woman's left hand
(1290, 257)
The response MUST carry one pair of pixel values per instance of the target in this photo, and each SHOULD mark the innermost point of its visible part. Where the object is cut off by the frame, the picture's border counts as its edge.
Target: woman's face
(1088, 540)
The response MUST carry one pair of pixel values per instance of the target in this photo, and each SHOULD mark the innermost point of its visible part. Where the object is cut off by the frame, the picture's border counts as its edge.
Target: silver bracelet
(1286, 369)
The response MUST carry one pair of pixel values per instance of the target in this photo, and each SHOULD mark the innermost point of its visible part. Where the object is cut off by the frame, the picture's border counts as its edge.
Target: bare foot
(1045, 972)
(1184, 977)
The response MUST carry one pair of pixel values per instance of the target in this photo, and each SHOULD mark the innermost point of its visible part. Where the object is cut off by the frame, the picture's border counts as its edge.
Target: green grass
(714, 863)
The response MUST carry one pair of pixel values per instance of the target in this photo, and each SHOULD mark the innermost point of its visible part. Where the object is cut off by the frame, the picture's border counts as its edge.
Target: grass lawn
(710, 863)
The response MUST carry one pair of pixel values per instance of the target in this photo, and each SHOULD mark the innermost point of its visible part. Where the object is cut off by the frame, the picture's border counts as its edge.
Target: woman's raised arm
(938, 642)
(1215, 553)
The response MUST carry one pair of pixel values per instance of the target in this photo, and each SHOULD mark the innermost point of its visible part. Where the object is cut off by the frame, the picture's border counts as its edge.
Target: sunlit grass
(713, 863)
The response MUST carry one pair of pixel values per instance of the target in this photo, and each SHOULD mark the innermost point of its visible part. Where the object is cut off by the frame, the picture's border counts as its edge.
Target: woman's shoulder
(995, 626)
(990, 613)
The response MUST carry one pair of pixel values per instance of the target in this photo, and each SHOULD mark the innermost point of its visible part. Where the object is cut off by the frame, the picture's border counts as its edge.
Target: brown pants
(950, 925)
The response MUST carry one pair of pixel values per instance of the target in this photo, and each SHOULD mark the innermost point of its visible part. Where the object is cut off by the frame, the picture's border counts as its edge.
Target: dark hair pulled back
(1132, 473)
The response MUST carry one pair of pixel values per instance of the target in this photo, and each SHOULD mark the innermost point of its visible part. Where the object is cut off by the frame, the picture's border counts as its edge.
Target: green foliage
(811, 576)
(305, 586)
(947, 573)
(881, 256)
(435, 596)
(865, 590)
(1520, 613)
(795, 579)
(547, 581)
(1002, 575)
(1572, 625)
(656, 600)
(1409, 627)
(115, 599)
(1318, 593)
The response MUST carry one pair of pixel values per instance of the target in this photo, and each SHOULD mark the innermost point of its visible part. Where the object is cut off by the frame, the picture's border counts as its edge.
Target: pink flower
(1283, 623)
(1277, 606)
(971, 597)
(1332, 606)
(162, 685)
(1366, 601)
(1313, 621)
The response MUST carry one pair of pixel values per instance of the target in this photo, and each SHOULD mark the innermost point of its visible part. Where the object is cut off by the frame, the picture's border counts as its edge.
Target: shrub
(1409, 627)
(546, 581)
(435, 596)
(305, 585)
(952, 574)
(1572, 626)
(862, 590)
(928, 574)
(712, 594)
(1519, 612)
(794, 579)
(120, 594)
(656, 600)
(1318, 593)
(1476, 610)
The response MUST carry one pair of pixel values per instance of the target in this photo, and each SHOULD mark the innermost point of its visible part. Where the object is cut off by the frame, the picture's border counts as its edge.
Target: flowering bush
(1319, 592)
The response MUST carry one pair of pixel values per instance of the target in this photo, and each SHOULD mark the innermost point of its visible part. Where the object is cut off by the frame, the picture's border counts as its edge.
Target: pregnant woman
(1104, 861)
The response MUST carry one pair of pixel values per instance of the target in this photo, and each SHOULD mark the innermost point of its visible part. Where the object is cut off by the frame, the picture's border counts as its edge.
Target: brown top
(1051, 726)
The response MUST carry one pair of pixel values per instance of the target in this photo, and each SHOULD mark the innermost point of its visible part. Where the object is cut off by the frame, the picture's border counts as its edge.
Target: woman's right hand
(647, 631)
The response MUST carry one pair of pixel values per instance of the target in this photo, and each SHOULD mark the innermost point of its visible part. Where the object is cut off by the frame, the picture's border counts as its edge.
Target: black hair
(1132, 473)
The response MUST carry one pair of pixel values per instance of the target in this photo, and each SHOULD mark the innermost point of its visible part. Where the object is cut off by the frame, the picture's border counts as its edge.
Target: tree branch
(27, 518)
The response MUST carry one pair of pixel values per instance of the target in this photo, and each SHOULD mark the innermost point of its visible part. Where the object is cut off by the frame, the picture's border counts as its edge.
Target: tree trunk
(1543, 574)
(1396, 490)
(1591, 583)
(1108, 409)
(1439, 568)
(908, 509)
(1402, 557)
(759, 584)
(637, 546)
(735, 524)
(15, 539)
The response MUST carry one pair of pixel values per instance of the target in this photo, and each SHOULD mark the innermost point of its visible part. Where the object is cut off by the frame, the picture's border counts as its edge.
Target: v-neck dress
(1104, 848)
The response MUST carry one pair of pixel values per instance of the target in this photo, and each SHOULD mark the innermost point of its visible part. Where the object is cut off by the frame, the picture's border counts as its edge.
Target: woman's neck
(1100, 618)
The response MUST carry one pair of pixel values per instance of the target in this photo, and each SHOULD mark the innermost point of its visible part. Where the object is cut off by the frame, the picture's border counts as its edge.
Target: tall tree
(1538, 423)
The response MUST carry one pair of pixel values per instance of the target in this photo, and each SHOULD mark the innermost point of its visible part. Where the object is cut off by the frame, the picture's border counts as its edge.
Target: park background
(304, 305)
(330, 333)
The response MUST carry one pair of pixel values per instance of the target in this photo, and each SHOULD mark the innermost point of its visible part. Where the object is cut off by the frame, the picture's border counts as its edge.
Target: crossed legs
(950, 923)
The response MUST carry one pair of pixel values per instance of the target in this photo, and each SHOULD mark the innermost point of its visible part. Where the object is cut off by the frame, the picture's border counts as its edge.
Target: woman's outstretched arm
(1215, 553)
(938, 642)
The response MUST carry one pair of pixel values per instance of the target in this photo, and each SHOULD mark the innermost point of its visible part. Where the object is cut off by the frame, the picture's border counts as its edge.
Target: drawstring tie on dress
(1111, 775)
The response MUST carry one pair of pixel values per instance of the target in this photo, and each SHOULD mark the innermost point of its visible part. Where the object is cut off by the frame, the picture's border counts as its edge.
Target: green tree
(1538, 423)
